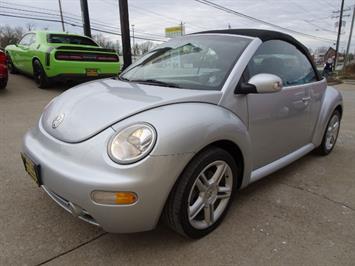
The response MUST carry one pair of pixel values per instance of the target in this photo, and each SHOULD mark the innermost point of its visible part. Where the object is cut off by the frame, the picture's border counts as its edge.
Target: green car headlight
(132, 143)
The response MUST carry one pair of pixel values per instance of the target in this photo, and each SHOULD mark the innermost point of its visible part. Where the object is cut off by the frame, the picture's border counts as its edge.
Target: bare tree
(10, 35)
(30, 26)
(136, 49)
(146, 47)
(118, 47)
(103, 41)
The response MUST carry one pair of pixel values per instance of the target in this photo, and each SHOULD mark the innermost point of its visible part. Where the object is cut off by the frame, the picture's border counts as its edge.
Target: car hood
(87, 109)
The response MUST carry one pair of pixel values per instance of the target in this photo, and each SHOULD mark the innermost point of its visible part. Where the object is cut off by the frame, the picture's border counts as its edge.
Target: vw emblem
(57, 121)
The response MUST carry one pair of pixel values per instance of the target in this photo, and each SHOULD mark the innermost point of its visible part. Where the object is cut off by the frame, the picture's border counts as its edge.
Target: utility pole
(134, 52)
(349, 41)
(85, 16)
(339, 32)
(181, 27)
(61, 14)
(126, 42)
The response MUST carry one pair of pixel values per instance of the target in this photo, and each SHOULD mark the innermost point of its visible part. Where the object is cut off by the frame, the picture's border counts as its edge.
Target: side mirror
(261, 83)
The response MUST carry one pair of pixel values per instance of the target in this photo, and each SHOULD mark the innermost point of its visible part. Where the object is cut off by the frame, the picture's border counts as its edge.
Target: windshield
(201, 62)
(70, 39)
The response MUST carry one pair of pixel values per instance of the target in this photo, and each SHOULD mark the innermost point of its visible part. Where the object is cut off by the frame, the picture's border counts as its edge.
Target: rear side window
(70, 39)
(284, 60)
(28, 39)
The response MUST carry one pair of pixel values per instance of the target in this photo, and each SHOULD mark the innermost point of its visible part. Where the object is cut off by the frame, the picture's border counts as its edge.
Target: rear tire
(40, 75)
(10, 65)
(202, 195)
(330, 135)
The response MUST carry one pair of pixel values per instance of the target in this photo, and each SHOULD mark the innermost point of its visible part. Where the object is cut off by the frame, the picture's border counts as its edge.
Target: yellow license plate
(91, 72)
(31, 168)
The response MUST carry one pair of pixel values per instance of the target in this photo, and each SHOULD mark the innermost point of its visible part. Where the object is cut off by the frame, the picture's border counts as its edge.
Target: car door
(22, 49)
(28, 53)
(279, 122)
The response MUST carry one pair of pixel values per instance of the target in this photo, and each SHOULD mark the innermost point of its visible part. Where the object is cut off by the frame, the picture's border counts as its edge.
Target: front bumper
(70, 172)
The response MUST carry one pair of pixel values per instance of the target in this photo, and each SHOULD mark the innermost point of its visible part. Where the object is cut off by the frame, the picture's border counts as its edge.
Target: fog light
(114, 198)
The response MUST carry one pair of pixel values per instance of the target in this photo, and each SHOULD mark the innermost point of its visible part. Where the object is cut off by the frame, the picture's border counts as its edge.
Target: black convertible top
(267, 35)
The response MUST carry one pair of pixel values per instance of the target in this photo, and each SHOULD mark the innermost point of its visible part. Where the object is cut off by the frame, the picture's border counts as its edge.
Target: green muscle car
(50, 56)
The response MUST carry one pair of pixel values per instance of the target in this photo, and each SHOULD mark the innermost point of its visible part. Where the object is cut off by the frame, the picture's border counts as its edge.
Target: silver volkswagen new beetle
(180, 131)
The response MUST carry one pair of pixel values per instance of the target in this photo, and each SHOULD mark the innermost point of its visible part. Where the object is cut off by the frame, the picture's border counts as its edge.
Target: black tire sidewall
(41, 81)
(190, 174)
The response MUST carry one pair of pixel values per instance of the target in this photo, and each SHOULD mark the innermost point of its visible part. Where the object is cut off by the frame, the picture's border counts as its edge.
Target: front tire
(201, 197)
(330, 135)
(40, 75)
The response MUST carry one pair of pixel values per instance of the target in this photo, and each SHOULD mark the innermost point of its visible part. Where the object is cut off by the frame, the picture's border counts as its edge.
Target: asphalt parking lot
(301, 215)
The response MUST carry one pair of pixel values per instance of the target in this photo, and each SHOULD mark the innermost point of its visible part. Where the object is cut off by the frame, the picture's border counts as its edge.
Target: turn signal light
(114, 198)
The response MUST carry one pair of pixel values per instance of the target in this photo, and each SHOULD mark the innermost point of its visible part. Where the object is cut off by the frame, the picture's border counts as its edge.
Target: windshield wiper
(122, 78)
(156, 82)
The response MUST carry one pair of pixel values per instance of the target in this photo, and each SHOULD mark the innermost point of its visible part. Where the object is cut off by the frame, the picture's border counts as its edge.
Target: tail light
(74, 56)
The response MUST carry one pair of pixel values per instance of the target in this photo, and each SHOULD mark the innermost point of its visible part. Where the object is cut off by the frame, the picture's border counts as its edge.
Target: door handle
(306, 99)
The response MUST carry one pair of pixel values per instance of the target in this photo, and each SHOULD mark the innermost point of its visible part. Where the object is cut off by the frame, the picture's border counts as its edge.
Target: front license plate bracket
(32, 169)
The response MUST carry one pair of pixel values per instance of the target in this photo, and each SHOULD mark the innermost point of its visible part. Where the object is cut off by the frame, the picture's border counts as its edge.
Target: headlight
(132, 143)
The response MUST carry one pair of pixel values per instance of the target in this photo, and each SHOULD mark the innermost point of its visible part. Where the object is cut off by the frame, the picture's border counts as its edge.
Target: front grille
(68, 206)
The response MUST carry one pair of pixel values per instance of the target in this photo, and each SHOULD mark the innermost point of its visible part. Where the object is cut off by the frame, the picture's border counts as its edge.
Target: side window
(284, 60)
(26, 40)
(33, 38)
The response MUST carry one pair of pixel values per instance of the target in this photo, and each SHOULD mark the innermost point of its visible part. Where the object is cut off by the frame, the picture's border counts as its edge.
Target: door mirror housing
(261, 83)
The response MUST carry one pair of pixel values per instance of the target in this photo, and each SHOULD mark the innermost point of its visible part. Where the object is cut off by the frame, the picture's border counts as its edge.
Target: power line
(152, 34)
(151, 12)
(48, 14)
(72, 20)
(231, 11)
(46, 9)
(73, 17)
(14, 15)
(164, 16)
(8, 14)
(319, 27)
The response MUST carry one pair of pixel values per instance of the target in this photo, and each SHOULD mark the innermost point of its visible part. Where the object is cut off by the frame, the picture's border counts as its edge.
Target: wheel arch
(332, 101)
(234, 150)
(34, 58)
(340, 109)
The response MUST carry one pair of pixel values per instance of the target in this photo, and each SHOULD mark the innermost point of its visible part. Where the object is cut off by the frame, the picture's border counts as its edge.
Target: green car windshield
(201, 62)
(70, 39)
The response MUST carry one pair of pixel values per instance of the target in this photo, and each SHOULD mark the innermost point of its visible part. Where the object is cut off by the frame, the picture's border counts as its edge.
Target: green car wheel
(39, 75)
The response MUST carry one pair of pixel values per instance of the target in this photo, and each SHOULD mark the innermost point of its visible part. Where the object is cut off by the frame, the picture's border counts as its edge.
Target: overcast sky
(313, 17)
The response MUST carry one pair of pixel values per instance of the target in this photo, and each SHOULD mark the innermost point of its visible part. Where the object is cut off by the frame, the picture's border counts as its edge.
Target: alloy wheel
(210, 194)
(332, 132)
